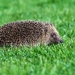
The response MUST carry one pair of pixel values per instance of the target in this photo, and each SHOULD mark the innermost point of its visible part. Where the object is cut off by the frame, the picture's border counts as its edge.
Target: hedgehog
(28, 33)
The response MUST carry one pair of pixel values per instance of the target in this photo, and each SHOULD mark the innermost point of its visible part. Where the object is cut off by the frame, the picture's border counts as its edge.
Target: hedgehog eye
(53, 35)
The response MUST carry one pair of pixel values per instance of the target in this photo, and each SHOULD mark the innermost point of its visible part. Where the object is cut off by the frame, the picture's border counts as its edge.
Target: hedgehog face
(52, 34)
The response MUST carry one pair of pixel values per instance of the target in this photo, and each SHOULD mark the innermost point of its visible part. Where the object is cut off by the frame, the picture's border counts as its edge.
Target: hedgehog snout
(56, 41)
(61, 41)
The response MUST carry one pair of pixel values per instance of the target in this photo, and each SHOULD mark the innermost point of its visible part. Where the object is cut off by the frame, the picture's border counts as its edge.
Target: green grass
(44, 60)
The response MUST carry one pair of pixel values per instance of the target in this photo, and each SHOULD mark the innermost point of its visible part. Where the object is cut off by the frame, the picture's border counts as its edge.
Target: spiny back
(27, 24)
(20, 32)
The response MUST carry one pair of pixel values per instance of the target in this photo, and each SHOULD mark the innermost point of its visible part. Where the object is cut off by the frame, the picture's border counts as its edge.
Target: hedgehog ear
(45, 30)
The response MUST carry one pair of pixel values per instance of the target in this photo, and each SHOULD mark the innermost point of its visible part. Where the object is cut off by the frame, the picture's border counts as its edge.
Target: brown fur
(27, 33)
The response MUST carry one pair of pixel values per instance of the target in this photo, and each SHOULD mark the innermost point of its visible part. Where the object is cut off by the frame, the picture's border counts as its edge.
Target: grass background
(45, 60)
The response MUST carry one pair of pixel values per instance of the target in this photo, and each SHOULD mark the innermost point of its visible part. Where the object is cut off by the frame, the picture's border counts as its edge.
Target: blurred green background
(45, 60)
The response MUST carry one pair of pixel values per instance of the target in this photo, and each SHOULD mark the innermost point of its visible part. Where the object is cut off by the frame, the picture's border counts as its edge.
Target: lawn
(40, 60)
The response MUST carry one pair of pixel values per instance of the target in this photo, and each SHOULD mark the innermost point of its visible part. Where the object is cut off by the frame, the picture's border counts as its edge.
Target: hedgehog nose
(61, 41)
